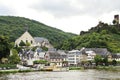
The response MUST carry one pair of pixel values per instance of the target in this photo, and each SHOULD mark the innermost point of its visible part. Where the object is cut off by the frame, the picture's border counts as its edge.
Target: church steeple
(26, 27)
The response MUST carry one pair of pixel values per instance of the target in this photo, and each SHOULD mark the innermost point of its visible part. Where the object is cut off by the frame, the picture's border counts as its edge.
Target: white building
(56, 58)
(36, 41)
(41, 41)
(90, 55)
(26, 37)
(116, 56)
(74, 57)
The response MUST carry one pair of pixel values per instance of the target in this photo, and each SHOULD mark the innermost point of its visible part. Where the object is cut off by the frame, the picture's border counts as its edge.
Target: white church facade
(36, 41)
(26, 37)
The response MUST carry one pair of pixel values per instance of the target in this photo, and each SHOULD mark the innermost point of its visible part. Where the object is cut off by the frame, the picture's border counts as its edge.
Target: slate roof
(56, 55)
(38, 50)
(117, 55)
(40, 39)
(74, 52)
(99, 51)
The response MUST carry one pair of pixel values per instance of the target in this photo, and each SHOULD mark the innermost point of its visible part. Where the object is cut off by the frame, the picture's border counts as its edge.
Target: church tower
(25, 37)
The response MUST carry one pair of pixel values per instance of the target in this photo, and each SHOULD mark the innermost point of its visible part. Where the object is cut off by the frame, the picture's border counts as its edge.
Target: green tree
(44, 48)
(69, 44)
(4, 46)
(114, 22)
(22, 43)
(114, 62)
(105, 61)
(40, 62)
(98, 59)
(14, 58)
(27, 44)
(11, 45)
(103, 32)
(18, 48)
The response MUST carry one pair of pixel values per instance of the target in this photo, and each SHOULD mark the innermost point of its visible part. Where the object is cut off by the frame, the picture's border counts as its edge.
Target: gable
(25, 37)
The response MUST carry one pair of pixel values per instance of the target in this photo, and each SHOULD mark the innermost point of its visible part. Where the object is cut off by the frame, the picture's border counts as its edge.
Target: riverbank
(109, 68)
(106, 68)
(32, 70)
(90, 74)
(15, 71)
(76, 68)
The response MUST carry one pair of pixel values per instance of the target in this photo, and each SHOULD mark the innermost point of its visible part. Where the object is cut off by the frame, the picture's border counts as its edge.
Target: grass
(14, 71)
(76, 68)
(108, 68)
(8, 71)
(21, 71)
(8, 66)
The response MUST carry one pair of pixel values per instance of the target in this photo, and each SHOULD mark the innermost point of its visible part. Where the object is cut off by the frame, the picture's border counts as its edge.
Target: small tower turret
(116, 19)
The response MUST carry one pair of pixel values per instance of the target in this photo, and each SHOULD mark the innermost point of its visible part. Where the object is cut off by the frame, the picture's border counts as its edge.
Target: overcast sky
(68, 15)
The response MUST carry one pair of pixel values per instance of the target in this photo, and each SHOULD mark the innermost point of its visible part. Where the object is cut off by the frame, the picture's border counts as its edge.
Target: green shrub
(75, 68)
(114, 62)
(40, 62)
(8, 66)
(14, 58)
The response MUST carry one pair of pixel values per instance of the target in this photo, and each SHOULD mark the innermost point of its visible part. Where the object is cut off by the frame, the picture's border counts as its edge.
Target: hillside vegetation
(14, 27)
(101, 36)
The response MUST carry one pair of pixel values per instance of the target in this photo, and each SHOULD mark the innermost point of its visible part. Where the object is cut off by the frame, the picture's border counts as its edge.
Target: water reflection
(71, 75)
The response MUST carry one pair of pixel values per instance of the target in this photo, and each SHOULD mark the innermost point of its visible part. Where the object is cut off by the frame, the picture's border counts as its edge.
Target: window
(46, 56)
(71, 59)
(70, 55)
(71, 62)
(26, 41)
(59, 63)
(31, 41)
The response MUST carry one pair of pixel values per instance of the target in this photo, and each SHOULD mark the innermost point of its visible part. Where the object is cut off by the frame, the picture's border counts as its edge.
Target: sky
(68, 15)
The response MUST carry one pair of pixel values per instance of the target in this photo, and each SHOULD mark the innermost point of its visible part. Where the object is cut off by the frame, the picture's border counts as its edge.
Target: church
(26, 37)
(36, 41)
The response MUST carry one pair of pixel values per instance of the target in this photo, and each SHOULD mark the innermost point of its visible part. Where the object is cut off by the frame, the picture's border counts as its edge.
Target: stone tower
(116, 19)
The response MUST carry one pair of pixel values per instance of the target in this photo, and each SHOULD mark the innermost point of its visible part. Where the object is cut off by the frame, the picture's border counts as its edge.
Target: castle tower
(116, 19)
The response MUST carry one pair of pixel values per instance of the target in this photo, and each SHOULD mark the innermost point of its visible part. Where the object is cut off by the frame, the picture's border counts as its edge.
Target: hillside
(15, 26)
(101, 36)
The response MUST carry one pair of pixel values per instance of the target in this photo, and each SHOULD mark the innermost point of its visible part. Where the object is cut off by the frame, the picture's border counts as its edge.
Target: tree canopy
(14, 27)
(4, 46)
(14, 58)
(105, 36)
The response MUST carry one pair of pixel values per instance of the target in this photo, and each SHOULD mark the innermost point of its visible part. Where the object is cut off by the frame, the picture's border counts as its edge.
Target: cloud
(65, 8)
(6, 10)
(67, 15)
(98, 7)
(59, 8)
(76, 23)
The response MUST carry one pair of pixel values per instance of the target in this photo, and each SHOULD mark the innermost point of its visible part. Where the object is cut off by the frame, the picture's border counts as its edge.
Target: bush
(114, 62)
(14, 58)
(8, 66)
(75, 68)
(40, 62)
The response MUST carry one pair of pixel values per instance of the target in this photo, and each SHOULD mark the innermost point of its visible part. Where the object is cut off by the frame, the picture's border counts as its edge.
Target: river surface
(70, 75)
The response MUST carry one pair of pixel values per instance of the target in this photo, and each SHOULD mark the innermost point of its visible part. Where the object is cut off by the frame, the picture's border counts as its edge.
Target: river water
(70, 75)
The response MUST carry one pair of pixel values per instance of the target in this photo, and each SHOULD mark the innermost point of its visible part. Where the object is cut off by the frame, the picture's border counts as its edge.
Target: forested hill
(15, 26)
(101, 36)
